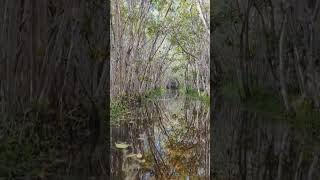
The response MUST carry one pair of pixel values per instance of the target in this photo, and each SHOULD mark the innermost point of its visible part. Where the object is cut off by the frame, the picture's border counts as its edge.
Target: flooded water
(168, 138)
(250, 145)
(162, 138)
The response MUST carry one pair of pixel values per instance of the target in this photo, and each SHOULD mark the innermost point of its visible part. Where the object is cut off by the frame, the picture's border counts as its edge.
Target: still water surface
(168, 138)
(252, 145)
(162, 138)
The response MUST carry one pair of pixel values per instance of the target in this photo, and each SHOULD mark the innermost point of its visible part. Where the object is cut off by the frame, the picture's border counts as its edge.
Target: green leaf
(122, 146)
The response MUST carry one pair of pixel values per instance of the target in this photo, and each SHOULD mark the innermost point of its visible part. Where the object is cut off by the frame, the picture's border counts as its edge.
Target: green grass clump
(205, 97)
(156, 92)
(193, 93)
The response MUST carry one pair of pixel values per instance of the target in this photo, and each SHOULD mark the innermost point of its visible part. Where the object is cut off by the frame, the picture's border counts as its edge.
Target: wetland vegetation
(160, 89)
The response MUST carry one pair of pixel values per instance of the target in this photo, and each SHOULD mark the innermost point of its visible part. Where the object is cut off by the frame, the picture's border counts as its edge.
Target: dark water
(248, 145)
(167, 138)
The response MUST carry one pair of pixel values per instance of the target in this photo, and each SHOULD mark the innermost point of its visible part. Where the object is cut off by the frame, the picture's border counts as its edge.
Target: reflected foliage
(249, 145)
(171, 134)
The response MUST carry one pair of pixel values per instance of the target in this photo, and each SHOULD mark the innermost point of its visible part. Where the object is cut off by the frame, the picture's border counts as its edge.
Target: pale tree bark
(202, 16)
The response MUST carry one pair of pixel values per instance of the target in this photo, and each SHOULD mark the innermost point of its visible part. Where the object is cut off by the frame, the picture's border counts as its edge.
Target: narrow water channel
(162, 138)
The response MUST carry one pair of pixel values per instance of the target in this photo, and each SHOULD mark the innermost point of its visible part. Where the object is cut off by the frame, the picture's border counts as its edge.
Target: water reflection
(168, 138)
(250, 146)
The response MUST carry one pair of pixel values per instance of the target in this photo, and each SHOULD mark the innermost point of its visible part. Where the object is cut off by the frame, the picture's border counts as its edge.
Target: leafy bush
(117, 108)
(158, 91)
(193, 93)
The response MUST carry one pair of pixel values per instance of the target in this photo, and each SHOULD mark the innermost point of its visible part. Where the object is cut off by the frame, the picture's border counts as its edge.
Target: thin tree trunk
(313, 166)
(282, 67)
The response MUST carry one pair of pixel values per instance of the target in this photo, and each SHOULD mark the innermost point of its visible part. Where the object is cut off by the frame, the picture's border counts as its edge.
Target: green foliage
(265, 101)
(117, 108)
(97, 54)
(173, 40)
(121, 146)
(159, 4)
(40, 52)
(41, 106)
(205, 97)
(226, 14)
(152, 28)
(144, 78)
(305, 107)
(33, 147)
(156, 92)
(175, 69)
(229, 42)
(193, 93)
(194, 73)
(307, 120)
